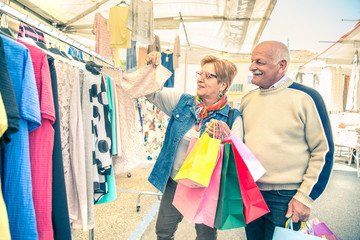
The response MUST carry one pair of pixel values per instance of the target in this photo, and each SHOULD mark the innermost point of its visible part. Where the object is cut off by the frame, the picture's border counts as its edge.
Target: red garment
(41, 143)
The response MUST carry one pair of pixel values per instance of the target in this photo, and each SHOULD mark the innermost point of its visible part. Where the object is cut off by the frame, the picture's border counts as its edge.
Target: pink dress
(41, 143)
(102, 37)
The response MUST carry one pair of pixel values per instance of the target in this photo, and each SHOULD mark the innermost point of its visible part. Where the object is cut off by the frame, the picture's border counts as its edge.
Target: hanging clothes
(120, 36)
(177, 52)
(4, 221)
(346, 87)
(353, 97)
(337, 91)
(102, 136)
(129, 87)
(3, 119)
(27, 31)
(325, 77)
(9, 116)
(110, 179)
(86, 78)
(156, 46)
(154, 125)
(111, 107)
(132, 150)
(142, 56)
(9, 100)
(102, 37)
(97, 130)
(141, 21)
(131, 62)
(60, 211)
(75, 53)
(16, 179)
(72, 142)
(117, 120)
(41, 143)
(167, 61)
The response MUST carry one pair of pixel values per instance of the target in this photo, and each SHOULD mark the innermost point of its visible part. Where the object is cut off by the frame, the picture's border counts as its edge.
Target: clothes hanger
(4, 27)
(42, 45)
(57, 51)
(7, 32)
(93, 67)
(54, 49)
(123, 2)
(65, 55)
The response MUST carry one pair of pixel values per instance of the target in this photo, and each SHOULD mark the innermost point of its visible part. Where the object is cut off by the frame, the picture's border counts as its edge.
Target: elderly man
(287, 127)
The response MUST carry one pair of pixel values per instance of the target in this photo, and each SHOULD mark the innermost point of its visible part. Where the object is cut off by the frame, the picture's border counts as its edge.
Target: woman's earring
(220, 95)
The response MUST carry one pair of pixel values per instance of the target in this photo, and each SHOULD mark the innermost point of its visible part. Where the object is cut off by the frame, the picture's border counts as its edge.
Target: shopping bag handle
(218, 125)
(289, 225)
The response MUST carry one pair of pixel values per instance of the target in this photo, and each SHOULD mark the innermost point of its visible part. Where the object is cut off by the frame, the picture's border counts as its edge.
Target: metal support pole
(185, 80)
(91, 234)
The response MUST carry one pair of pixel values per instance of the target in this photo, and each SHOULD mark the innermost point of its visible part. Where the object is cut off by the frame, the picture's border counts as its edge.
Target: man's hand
(298, 211)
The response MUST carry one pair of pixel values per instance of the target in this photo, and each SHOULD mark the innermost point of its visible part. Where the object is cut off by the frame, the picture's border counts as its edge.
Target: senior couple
(284, 124)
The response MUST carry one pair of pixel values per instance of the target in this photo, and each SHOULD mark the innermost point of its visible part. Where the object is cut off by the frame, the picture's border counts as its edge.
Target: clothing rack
(53, 32)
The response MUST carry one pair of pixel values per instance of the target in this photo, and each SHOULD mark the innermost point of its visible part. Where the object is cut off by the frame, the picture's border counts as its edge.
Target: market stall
(81, 53)
(335, 74)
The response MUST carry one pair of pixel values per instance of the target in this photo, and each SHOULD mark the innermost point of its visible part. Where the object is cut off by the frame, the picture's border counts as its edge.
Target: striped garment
(30, 32)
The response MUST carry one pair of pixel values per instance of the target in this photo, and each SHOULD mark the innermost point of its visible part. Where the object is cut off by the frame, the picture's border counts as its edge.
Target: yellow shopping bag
(199, 165)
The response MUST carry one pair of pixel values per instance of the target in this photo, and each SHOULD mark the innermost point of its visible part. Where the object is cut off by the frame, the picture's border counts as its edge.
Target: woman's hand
(224, 127)
(153, 58)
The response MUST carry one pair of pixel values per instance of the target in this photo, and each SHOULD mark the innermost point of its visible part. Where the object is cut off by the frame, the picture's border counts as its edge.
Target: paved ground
(118, 220)
(338, 207)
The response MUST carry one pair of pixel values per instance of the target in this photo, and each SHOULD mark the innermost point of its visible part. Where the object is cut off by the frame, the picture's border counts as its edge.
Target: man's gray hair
(281, 52)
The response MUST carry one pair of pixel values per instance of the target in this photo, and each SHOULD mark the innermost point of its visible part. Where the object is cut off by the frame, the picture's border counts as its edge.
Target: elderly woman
(190, 117)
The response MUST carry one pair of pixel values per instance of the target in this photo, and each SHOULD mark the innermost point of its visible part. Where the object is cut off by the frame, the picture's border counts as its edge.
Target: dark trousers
(263, 227)
(169, 218)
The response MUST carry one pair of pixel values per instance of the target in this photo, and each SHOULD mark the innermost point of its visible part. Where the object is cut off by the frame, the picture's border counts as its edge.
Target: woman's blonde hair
(224, 69)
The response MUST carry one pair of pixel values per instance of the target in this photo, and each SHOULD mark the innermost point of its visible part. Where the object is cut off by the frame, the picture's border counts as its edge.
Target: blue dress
(167, 61)
(16, 179)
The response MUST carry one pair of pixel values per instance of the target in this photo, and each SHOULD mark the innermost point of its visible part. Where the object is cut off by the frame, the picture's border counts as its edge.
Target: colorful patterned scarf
(201, 111)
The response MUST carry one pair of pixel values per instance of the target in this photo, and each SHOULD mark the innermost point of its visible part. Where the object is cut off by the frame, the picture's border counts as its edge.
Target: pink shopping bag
(255, 167)
(206, 212)
(198, 205)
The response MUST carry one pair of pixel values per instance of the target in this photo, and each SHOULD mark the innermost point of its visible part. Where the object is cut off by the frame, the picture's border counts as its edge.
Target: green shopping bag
(230, 209)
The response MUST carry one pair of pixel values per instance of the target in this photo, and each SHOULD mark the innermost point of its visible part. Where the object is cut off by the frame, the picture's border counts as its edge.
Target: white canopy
(339, 53)
(226, 26)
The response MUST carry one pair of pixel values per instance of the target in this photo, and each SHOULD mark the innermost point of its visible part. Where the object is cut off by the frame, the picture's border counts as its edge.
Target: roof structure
(222, 26)
(340, 52)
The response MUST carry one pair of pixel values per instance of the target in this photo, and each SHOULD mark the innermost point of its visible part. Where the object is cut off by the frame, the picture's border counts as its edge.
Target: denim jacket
(181, 121)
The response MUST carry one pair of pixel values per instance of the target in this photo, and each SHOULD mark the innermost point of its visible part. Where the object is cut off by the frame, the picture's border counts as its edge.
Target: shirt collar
(280, 82)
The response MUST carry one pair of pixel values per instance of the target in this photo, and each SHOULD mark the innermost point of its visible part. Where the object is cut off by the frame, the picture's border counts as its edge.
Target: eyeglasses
(206, 74)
